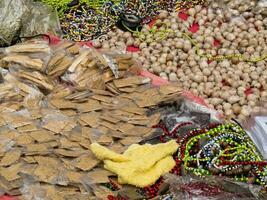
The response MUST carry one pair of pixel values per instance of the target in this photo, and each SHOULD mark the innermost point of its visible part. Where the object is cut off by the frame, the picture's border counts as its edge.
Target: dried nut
(233, 99)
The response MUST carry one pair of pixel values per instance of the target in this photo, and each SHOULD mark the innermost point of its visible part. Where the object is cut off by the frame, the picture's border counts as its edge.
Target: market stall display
(55, 102)
(86, 20)
(225, 65)
(139, 99)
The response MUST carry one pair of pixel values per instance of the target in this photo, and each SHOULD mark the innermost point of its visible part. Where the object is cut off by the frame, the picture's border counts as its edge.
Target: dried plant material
(16, 120)
(24, 88)
(154, 120)
(79, 95)
(78, 60)
(100, 58)
(90, 105)
(62, 104)
(28, 48)
(23, 139)
(111, 87)
(139, 122)
(16, 184)
(125, 128)
(48, 161)
(102, 92)
(105, 140)
(60, 91)
(42, 135)
(10, 158)
(85, 143)
(36, 149)
(70, 125)
(131, 81)
(55, 60)
(128, 89)
(69, 112)
(11, 173)
(74, 49)
(130, 140)
(138, 131)
(35, 114)
(2, 122)
(46, 174)
(69, 153)
(99, 176)
(25, 61)
(75, 136)
(39, 79)
(102, 192)
(134, 110)
(92, 119)
(67, 190)
(86, 132)
(51, 144)
(109, 125)
(27, 128)
(108, 118)
(170, 89)
(86, 162)
(9, 134)
(74, 177)
(55, 127)
(116, 134)
(29, 159)
(95, 83)
(145, 102)
(64, 45)
(67, 144)
(67, 164)
(61, 67)
(120, 114)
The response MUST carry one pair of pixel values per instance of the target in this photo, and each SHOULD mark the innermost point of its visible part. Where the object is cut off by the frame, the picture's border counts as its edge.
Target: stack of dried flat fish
(56, 101)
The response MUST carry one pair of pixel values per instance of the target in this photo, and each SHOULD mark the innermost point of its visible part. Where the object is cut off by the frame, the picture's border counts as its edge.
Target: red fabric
(194, 98)
(183, 16)
(89, 43)
(132, 49)
(151, 24)
(216, 43)
(194, 28)
(6, 197)
(54, 39)
(248, 91)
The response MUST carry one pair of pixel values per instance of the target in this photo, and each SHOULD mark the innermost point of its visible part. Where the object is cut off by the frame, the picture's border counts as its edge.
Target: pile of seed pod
(233, 85)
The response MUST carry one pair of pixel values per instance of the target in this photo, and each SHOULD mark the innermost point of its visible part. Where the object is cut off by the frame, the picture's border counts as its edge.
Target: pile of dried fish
(56, 101)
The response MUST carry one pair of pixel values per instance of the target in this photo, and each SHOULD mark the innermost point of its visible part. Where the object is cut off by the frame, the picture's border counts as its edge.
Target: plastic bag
(212, 188)
(24, 18)
(256, 127)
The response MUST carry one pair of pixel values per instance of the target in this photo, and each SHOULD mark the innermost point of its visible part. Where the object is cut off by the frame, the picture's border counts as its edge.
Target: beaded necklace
(228, 151)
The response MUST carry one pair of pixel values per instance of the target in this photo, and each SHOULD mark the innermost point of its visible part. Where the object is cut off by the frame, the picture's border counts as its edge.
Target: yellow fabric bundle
(139, 165)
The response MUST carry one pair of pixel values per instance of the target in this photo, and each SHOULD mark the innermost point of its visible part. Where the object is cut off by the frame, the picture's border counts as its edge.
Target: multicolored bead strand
(228, 151)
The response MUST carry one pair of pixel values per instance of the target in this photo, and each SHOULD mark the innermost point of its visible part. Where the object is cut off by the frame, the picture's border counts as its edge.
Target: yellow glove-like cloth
(139, 165)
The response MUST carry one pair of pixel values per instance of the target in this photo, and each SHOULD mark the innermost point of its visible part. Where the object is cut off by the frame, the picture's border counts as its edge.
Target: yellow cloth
(139, 165)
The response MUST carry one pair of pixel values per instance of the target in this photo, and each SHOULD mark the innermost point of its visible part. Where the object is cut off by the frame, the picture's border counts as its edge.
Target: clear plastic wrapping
(25, 18)
(211, 187)
(256, 127)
